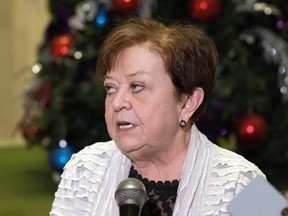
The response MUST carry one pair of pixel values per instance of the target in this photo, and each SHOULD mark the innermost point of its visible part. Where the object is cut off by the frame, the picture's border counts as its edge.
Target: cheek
(150, 116)
(108, 120)
(108, 115)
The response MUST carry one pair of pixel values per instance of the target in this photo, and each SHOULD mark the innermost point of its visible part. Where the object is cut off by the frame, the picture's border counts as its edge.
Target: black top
(161, 195)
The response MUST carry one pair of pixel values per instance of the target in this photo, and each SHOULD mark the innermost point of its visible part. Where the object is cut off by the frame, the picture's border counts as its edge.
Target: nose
(121, 100)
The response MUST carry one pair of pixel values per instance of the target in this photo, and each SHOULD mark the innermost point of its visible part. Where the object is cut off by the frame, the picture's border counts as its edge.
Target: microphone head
(131, 191)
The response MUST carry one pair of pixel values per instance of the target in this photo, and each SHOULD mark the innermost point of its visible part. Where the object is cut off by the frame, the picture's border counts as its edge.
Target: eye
(135, 87)
(110, 89)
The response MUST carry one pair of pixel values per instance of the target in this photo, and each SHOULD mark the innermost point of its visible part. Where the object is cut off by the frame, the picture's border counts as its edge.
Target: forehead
(138, 56)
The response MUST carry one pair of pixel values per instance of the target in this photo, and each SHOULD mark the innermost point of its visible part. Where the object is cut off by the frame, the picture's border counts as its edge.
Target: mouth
(124, 125)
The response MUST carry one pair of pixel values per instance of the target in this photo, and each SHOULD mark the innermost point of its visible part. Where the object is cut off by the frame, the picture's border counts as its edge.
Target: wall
(22, 27)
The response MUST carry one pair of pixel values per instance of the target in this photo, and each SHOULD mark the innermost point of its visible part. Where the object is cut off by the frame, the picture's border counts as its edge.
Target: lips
(124, 125)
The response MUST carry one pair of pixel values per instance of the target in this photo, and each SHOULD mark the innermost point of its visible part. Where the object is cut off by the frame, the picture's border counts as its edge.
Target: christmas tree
(64, 106)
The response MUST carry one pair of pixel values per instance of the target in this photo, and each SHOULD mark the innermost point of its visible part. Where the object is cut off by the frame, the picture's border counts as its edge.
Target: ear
(191, 103)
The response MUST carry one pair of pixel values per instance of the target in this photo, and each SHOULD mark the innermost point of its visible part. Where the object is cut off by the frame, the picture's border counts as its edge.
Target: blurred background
(52, 105)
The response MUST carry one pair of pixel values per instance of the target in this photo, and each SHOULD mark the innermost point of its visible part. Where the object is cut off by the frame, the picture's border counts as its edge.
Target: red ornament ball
(125, 6)
(252, 132)
(28, 130)
(60, 45)
(204, 10)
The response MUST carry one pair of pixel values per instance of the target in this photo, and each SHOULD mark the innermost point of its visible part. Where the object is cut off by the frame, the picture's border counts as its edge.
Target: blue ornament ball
(101, 18)
(59, 157)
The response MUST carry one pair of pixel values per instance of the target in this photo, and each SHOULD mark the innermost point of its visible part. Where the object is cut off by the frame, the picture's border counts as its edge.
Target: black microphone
(130, 196)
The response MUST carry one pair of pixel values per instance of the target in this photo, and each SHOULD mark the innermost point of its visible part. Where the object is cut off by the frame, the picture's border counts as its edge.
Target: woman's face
(142, 112)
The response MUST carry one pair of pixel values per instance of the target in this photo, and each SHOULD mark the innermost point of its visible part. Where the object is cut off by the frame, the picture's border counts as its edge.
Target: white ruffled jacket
(212, 176)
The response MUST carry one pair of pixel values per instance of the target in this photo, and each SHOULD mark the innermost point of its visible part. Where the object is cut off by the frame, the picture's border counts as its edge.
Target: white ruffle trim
(230, 173)
(81, 180)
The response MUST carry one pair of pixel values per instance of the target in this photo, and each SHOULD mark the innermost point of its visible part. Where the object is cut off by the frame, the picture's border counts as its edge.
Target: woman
(157, 79)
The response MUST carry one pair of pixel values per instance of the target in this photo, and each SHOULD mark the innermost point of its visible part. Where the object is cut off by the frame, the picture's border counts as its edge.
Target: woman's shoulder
(233, 162)
(229, 174)
(231, 170)
(95, 153)
(82, 178)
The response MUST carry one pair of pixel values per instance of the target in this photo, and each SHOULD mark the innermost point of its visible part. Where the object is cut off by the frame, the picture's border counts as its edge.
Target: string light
(36, 68)
(250, 129)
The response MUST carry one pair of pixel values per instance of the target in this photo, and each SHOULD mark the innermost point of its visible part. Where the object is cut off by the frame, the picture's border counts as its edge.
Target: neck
(164, 166)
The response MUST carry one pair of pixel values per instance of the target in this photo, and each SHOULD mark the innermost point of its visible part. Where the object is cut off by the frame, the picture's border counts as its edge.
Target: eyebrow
(137, 73)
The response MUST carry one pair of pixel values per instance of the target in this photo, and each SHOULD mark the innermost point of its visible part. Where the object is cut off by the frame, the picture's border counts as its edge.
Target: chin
(128, 147)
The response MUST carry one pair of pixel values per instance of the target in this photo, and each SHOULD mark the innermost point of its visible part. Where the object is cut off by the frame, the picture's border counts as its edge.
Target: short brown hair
(190, 56)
